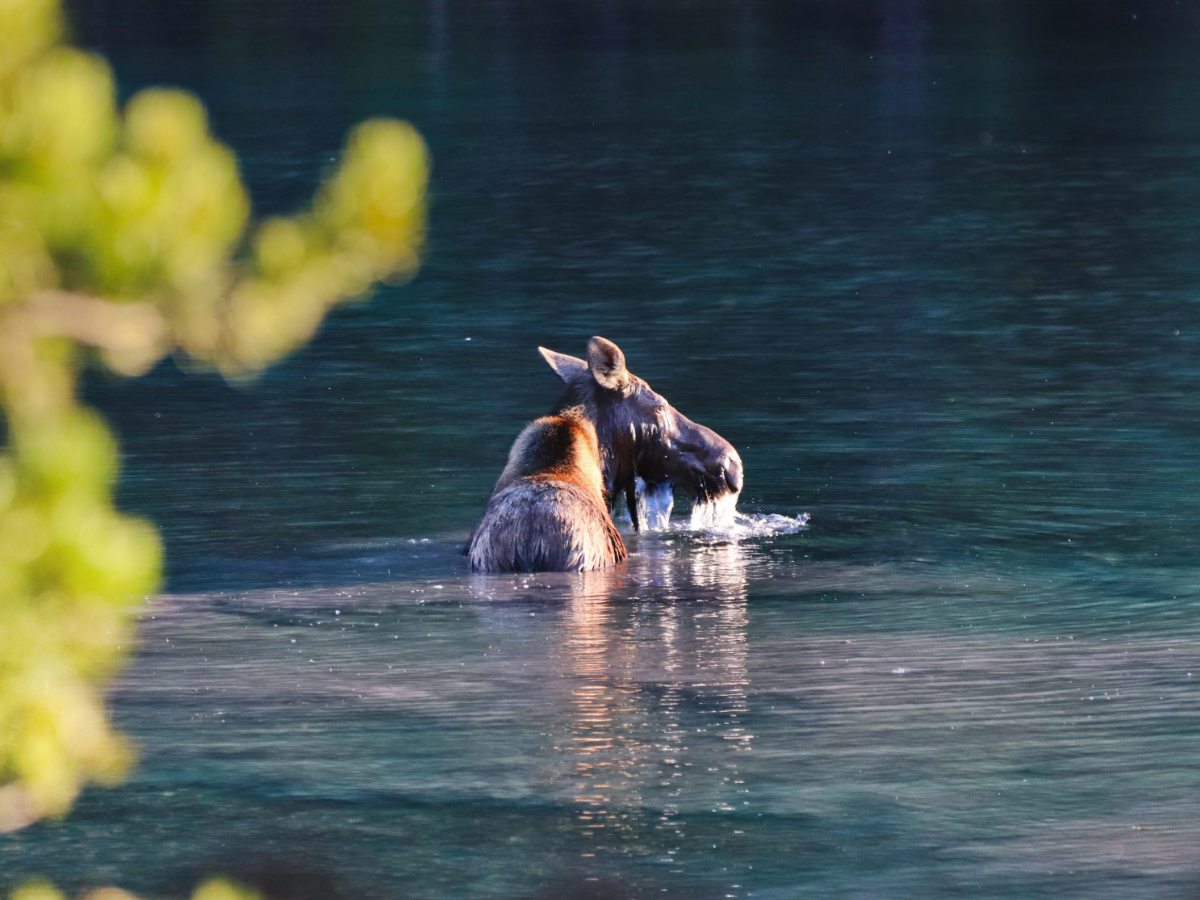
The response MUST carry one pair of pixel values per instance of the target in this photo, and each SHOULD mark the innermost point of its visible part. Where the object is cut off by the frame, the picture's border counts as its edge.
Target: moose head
(642, 437)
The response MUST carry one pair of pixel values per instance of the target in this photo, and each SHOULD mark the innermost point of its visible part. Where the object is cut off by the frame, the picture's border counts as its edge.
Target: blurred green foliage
(213, 889)
(124, 237)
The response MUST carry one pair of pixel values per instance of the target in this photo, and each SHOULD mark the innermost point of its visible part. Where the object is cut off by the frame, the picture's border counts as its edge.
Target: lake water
(933, 268)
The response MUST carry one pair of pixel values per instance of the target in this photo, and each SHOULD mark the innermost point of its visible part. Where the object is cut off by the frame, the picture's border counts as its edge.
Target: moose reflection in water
(649, 682)
(653, 677)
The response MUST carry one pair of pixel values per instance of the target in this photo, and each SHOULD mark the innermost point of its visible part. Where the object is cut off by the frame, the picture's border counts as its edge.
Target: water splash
(717, 518)
(654, 504)
(718, 513)
(720, 518)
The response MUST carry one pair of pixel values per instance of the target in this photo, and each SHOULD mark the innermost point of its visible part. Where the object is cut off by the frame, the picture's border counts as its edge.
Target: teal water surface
(933, 268)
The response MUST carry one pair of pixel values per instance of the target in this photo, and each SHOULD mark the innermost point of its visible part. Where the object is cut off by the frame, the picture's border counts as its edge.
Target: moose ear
(568, 368)
(607, 364)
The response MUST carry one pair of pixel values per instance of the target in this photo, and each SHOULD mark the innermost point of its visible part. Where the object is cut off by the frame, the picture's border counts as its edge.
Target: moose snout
(719, 469)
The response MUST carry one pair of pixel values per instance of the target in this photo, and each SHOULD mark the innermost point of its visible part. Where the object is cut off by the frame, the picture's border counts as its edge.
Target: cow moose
(611, 436)
(642, 437)
(548, 510)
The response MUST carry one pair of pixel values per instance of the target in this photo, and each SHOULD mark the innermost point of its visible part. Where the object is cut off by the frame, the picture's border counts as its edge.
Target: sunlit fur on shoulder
(548, 511)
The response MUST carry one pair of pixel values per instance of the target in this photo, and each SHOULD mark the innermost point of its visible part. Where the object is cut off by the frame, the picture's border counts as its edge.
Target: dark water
(933, 268)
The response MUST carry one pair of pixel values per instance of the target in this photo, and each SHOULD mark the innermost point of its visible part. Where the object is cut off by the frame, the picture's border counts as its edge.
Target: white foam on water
(720, 518)
(719, 513)
(716, 518)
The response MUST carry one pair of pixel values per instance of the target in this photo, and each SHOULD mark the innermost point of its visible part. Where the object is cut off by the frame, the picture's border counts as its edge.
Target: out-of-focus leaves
(213, 889)
(124, 236)
(223, 889)
(30, 26)
(367, 224)
(36, 890)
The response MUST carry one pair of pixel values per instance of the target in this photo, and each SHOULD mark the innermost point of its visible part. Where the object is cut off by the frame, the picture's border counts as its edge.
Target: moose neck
(617, 437)
(631, 449)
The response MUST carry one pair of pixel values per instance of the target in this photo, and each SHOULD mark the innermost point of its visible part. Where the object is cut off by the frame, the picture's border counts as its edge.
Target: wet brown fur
(548, 511)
